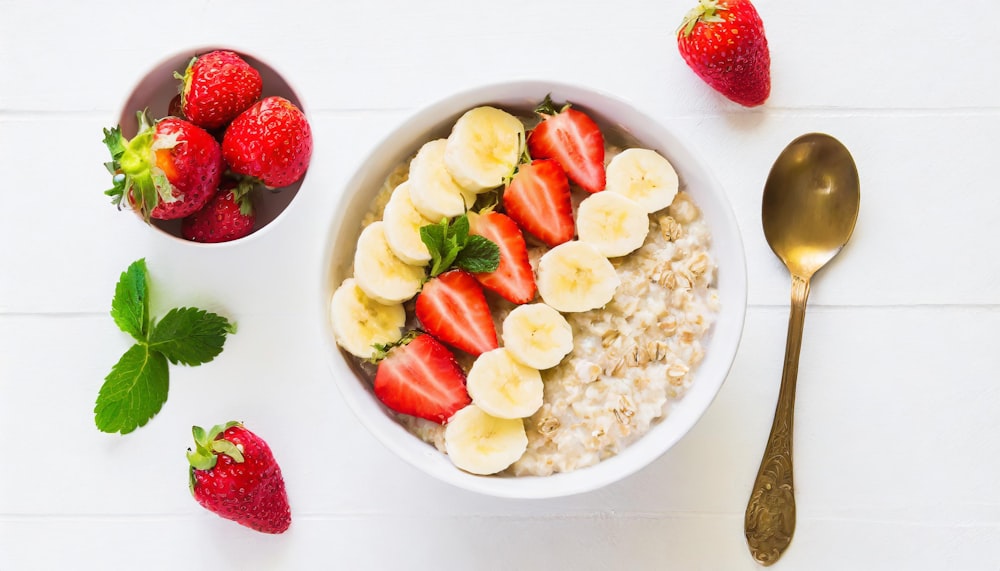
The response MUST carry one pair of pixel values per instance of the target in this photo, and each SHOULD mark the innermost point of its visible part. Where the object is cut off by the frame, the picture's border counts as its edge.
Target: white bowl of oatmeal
(644, 367)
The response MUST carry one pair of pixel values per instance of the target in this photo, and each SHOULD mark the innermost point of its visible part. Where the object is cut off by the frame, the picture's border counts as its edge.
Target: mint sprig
(136, 388)
(450, 244)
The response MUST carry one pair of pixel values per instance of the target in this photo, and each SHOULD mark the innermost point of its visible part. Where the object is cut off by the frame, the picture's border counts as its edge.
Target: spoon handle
(770, 516)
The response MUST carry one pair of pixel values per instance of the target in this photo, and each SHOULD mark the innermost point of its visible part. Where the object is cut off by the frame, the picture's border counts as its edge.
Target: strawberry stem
(133, 166)
(706, 11)
(382, 349)
(241, 192)
(207, 448)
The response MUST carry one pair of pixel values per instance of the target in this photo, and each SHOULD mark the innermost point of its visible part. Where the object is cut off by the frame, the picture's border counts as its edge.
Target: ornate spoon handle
(770, 516)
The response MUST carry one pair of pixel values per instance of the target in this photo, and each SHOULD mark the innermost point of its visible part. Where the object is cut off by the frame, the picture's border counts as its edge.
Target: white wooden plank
(925, 232)
(387, 54)
(911, 212)
(72, 244)
(897, 413)
(457, 543)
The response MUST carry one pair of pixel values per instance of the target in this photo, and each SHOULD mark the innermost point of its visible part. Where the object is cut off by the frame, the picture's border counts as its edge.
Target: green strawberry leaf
(479, 255)
(115, 142)
(190, 336)
(130, 306)
(133, 392)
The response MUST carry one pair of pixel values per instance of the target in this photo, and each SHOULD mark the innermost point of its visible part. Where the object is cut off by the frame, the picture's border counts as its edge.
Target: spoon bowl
(811, 201)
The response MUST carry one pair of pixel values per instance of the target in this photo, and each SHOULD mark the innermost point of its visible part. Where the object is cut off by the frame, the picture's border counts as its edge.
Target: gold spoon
(810, 205)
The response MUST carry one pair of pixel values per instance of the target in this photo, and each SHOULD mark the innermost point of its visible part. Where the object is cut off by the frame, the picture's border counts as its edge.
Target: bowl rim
(726, 333)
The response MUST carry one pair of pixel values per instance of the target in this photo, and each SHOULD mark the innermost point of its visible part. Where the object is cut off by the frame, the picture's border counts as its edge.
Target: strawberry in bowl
(594, 318)
(251, 113)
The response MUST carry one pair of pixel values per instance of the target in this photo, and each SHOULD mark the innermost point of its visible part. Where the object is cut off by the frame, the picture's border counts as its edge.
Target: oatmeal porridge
(631, 358)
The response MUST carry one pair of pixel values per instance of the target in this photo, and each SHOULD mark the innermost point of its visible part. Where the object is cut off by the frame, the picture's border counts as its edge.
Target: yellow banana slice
(483, 444)
(402, 227)
(645, 176)
(575, 276)
(503, 387)
(433, 191)
(484, 147)
(359, 321)
(537, 335)
(612, 223)
(379, 273)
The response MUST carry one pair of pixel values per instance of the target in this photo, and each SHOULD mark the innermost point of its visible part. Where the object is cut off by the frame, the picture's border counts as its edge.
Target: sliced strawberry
(538, 199)
(574, 140)
(422, 378)
(513, 278)
(453, 308)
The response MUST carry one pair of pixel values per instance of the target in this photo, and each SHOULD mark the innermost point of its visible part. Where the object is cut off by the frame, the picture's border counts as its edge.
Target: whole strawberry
(234, 475)
(723, 42)
(216, 87)
(227, 216)
(271, 141)
(168, 170)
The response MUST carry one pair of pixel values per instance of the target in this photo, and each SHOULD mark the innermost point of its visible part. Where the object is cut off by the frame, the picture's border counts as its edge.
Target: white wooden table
(897, 445)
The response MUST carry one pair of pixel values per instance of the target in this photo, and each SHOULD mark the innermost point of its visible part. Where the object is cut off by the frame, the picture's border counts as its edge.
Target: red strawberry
(217, 87)
(513, 278)
(227, 216)
(168, 170)
(538, 199)
(421, 378)
(453, 308)
(723, 42)
(234, 475)
(270, 141)
(574, 140)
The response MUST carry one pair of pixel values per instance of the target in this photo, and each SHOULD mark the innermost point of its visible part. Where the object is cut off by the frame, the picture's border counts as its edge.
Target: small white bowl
(727, 248)
(154, 92)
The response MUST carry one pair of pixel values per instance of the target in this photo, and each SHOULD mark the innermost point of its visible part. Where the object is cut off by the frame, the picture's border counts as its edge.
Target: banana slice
(575, 276)
(379, 273)
(482, 444)
(402, 227)
(483, 148)
(433, 191)
(537, 335)
(612, 223)
(504, 388)
(360, 322)
(645, 177)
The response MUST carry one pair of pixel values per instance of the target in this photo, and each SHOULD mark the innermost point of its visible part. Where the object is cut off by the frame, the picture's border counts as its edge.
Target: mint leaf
(459, 229)
(130, 306)
(479, 255)
(133, 392)
(189, 335)
(441, 244)
(446, 243)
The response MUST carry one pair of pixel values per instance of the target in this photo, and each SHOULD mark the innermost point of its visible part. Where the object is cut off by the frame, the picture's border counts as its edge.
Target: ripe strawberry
(168, 170)
(217, 87)
(453, 308)
(513, 278)
(234, 475)
(227, 216)
(723, 42)
(538, 199)
(421, 378)
(574, 140)
(270, 141)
